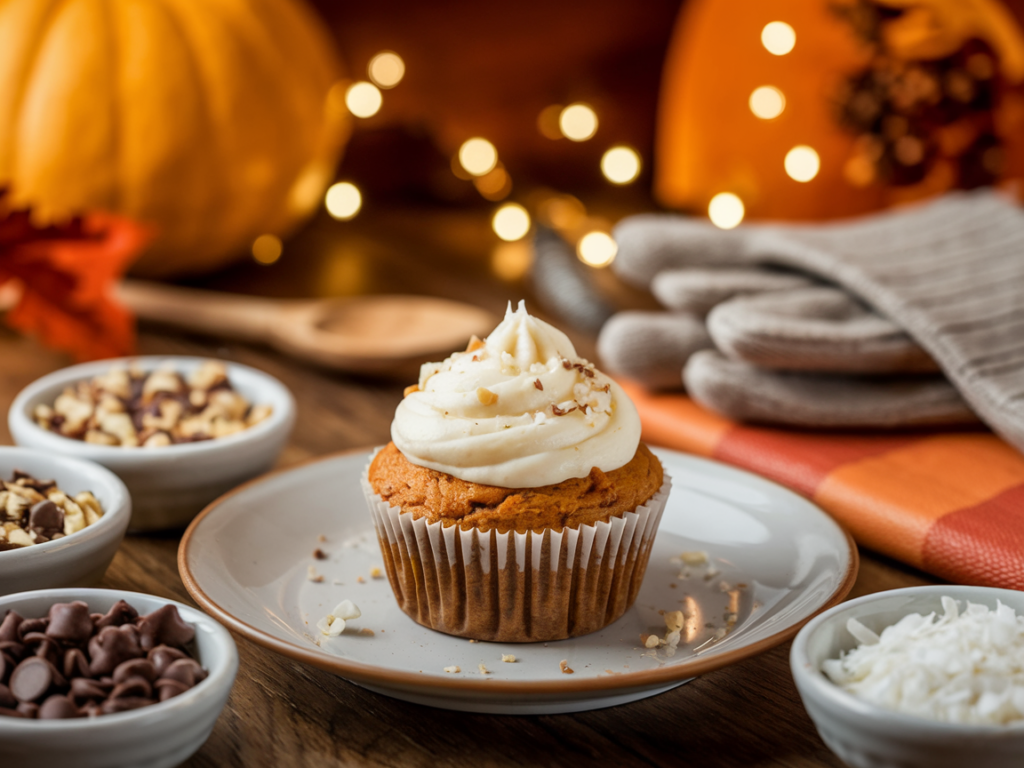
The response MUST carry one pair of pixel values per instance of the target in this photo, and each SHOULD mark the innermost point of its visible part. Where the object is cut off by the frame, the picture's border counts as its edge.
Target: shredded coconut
(957, 668)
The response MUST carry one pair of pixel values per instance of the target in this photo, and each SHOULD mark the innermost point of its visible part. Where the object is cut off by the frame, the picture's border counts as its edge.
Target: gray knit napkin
(949, 273)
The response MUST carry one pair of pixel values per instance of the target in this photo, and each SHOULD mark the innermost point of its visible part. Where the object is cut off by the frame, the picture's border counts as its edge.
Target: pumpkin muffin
(442, 498)
(515, 502)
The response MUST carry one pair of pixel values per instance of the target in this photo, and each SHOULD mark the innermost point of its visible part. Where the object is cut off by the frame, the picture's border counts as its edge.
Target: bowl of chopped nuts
(923, 677)
(179, 431)
(99, 678)
(61, 520)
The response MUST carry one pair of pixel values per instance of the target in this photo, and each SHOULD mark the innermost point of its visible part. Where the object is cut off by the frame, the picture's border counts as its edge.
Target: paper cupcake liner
(516, 587)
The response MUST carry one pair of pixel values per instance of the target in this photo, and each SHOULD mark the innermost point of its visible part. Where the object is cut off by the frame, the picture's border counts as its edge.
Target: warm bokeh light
(547, 121)
(386, 69)
(597, 249)
(478, 156)
(726, 210)
(778, 37)
(343, 200)
(495, 185)
(620, 165)
(578, 122)
(767, 102)
(267, 249)
(363, 99)
(511, 222)
(335, 105)
(512, 261)
(802, 163)
(562, 212)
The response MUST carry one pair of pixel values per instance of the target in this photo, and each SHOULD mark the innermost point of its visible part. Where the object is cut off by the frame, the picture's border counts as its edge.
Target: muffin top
(439, 497)
(519, 410)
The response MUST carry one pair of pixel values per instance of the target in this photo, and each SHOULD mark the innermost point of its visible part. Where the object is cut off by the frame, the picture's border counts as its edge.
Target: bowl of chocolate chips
(96, 678)
(179, 431)
(61, 520)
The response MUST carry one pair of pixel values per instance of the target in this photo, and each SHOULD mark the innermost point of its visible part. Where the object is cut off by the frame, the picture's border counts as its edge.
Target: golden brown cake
(440, 497)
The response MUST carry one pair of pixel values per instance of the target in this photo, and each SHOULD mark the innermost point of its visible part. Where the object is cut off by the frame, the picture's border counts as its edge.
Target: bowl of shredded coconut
(925, 676)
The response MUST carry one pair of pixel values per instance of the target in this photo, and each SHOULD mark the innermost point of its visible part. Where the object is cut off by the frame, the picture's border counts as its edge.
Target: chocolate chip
(75, 663)
(185, 671)
(105, 668)
(110, 647)
(7, 665)
(9, 627)
(132, 687)
(110, 706)
(119, 613)
(47, 649)
(15, 650)
(164, 626)
(58, 707)
(45, 518)
(70, 622)
(83, 688)
(170, 688)
(32, 625)
(135, 668)
(31, 679)
(163, 656)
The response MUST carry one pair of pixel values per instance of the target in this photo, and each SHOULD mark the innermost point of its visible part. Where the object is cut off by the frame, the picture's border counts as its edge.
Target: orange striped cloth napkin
(950, 503)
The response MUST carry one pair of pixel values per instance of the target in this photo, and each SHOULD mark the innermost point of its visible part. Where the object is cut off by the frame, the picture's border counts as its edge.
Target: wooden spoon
(365, 334)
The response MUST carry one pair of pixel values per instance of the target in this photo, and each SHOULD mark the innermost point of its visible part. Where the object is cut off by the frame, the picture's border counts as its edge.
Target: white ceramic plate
(775, 560)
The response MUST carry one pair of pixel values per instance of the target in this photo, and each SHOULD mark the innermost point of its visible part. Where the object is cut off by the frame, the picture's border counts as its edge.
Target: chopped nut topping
(538, 385)
(564, 666)
(508, 658)
(485, 396)
(452, 670)
(474, 344)
(698, 557)
(333, 624)
(366, 631)
(376, 573)
(410, 389)
(313, 576)
(360, 580)
(319, 554)
(132, 408)
(483, 670)
(28, 517)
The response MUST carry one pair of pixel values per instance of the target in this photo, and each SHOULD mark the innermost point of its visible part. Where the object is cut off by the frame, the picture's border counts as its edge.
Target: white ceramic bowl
(158, 736)
(77, 560)
(866, 736)
(168, 485)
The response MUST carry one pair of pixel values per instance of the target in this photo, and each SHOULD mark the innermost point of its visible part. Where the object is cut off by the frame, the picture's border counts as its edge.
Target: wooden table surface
(282, 713)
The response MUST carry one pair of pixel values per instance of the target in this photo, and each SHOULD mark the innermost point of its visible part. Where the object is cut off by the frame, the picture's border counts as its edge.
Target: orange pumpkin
(209, 120)
(710, 141)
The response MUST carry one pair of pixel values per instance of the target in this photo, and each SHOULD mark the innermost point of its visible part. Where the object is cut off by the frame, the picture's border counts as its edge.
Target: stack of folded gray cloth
(908, 317)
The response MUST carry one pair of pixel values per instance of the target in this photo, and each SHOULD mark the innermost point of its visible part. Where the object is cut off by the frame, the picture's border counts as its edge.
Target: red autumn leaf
(66, 276)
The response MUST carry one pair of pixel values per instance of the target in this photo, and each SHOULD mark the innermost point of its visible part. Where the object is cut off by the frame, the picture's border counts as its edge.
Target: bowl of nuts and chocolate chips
(180, 431)
(94, 678)
(61, 520)
(130, 407)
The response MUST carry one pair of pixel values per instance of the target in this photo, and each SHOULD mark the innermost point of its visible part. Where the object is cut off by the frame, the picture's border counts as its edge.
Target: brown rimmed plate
(774, 561)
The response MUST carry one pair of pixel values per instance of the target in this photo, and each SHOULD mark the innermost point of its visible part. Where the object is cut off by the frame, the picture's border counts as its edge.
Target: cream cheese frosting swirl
(519, 410)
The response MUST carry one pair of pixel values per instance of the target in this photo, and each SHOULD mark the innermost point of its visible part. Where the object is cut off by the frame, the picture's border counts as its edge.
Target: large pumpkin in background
(208, 119)
(710, 141)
